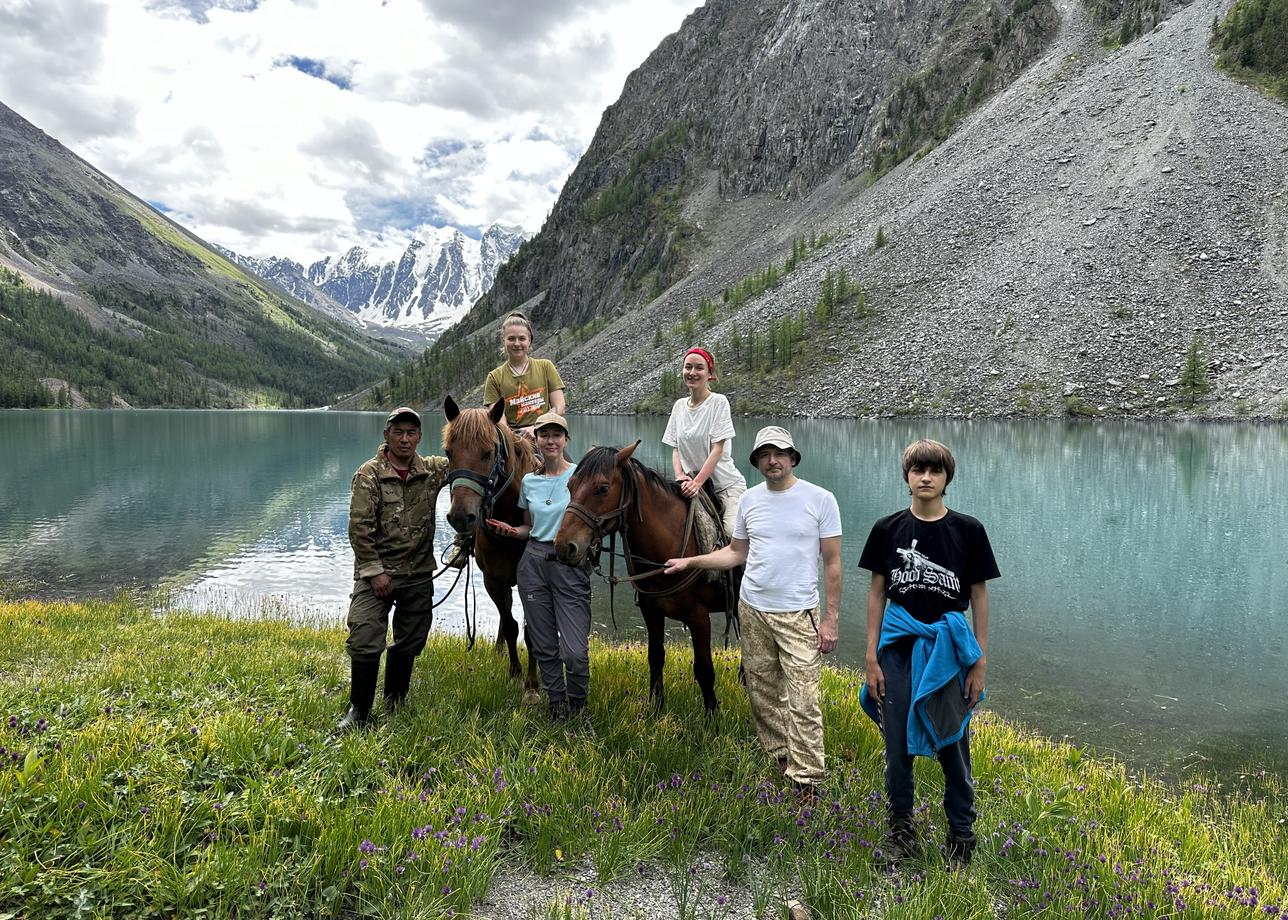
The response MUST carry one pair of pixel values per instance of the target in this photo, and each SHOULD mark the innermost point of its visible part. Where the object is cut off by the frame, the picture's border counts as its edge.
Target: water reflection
(1144, 565)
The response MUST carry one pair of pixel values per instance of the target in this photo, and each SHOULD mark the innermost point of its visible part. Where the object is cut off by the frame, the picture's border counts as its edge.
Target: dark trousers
(959, 786)
(412, 601)
(556, 618)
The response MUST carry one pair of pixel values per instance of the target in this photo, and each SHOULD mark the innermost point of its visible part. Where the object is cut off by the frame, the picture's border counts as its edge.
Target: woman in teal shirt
(556, 597)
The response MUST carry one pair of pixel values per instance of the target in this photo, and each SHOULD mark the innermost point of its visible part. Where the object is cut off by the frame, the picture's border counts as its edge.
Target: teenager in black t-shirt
(931, 561)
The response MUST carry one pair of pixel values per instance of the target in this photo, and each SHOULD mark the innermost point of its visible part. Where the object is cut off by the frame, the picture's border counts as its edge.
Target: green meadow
(176, 765)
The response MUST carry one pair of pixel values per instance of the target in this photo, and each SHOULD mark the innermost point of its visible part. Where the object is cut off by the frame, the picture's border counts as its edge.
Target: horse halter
(600, 525)
(603, 524)
(490, 486)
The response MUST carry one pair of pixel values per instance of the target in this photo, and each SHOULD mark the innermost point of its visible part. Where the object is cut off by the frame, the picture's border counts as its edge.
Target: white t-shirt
(782, 530)
(693, 431)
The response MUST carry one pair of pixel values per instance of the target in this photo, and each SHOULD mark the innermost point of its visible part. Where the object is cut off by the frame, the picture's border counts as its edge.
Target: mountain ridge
(157, 301)
(1062, 247)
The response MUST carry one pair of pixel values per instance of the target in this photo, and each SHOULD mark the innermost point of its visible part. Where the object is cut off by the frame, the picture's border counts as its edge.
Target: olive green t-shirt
(526, 396)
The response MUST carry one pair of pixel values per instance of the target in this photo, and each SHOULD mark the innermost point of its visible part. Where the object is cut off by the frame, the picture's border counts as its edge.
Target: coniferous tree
(1194, 375)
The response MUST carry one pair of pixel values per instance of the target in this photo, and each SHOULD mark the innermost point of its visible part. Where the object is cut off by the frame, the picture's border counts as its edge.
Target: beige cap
(778, 437)
(550, 418)
(400, 412)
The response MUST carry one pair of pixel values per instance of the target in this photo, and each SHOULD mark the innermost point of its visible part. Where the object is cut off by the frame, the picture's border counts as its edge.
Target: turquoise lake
(1142, 608)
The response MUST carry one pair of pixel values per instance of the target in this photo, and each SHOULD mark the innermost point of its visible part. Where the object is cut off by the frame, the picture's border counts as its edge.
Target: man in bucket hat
(784, 525)
(391, 530)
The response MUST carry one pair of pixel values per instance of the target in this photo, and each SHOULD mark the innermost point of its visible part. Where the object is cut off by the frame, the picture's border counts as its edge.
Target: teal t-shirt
(546, 498)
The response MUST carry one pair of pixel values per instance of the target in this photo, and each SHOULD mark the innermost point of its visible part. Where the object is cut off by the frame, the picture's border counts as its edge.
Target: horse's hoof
(531, 697)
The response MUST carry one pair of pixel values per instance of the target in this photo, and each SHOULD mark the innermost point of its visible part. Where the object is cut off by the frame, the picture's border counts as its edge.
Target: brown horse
(488, 463)
(611, 492)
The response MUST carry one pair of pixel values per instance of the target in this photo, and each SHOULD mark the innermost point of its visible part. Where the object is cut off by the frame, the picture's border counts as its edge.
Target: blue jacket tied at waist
(941, 655)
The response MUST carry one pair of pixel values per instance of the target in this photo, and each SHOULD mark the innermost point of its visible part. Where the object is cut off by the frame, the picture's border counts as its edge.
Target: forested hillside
(1253, 41)
(51, 355)
(107, 302)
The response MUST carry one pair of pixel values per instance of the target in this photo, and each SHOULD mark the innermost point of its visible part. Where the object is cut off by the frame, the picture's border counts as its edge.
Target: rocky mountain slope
(1057, 252)
(143, 312)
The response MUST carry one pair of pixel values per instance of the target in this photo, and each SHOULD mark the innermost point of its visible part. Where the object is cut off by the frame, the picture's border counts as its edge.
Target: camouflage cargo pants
(783, 664)
(412, 602)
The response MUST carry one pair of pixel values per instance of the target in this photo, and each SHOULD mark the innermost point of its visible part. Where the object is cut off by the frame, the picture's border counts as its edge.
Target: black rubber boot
(559, 710)
(958, 851)
(398, 667)
(362, 693)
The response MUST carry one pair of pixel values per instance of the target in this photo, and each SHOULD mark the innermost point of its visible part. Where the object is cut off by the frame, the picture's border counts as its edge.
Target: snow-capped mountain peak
(428, 288)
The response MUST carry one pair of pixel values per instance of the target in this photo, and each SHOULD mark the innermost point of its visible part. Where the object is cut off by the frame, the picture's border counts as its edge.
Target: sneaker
(901, 843)
(805, 793)
(579, 718)
(958, 851)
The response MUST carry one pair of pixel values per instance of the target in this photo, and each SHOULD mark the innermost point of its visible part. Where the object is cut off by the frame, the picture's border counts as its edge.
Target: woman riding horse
(609, 494)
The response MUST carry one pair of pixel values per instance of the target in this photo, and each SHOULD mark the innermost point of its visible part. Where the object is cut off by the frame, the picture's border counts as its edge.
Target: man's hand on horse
(501, 527)
(690, 487)
(675, 566)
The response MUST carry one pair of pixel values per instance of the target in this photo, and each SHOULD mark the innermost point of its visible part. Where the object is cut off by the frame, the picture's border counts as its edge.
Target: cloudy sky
(301, 127)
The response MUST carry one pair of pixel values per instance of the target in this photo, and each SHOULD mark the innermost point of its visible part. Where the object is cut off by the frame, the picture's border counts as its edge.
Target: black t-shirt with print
(929, 566)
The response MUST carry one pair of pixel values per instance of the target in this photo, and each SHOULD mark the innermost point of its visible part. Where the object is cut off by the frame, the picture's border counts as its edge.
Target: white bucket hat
(778, 437)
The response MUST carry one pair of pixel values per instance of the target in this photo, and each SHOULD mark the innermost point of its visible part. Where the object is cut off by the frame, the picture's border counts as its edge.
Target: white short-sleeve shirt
(783, 530)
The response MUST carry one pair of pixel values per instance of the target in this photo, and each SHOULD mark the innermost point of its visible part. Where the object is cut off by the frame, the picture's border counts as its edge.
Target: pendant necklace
(550, 493)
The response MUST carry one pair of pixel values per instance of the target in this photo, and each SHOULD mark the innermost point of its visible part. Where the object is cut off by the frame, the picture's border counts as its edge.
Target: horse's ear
(625, 453)
(496, 411)
(450, 409)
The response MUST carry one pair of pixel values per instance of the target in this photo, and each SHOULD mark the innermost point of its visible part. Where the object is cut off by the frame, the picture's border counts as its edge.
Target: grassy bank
(180, 765)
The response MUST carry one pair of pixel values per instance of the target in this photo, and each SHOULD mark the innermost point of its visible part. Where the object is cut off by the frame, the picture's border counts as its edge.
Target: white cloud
(299, 128)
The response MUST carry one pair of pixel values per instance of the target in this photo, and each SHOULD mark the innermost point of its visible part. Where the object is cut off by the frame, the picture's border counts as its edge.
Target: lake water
(1142, 606)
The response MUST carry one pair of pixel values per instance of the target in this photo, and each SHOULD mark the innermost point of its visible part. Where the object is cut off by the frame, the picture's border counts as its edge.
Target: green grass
(180, 765)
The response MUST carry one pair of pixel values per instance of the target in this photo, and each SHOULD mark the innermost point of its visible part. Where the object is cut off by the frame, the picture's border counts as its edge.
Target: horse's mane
(475, 426)
(602, 460)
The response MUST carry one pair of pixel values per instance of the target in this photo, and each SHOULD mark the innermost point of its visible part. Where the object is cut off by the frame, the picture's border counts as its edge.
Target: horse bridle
(610, 524)
(490, 486)
(615, 520)
(600, 526)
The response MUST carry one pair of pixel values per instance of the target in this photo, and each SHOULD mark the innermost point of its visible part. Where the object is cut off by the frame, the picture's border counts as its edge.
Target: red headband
(705, 356)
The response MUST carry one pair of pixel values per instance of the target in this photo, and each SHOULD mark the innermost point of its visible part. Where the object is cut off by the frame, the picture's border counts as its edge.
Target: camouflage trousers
(783, 664)
(412, 602)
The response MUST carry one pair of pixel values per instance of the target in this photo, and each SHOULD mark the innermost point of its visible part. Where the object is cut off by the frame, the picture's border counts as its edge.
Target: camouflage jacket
(391, 522)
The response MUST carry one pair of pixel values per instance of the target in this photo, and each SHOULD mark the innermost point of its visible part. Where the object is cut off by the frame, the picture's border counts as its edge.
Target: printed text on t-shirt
(919, 571)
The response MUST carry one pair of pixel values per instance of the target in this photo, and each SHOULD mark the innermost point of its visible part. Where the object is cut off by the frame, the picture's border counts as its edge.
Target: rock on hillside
(1058, 252)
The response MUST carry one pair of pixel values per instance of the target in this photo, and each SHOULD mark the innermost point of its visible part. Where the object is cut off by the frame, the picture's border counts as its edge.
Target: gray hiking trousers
(556, 616)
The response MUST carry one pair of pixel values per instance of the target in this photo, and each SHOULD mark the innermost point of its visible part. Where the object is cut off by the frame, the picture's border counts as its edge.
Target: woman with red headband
(699, 433)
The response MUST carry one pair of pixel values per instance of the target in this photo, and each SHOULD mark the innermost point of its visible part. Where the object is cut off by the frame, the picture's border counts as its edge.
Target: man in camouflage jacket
(391, 530)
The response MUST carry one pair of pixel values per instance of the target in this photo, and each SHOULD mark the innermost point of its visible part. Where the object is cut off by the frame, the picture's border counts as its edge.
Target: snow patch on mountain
(433, 283)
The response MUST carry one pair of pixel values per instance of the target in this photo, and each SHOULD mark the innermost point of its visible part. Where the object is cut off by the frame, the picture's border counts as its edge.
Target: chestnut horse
(488, 462)
(611, 492)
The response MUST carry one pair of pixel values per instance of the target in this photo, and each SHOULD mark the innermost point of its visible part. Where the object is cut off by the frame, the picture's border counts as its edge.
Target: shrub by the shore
(178, 764)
